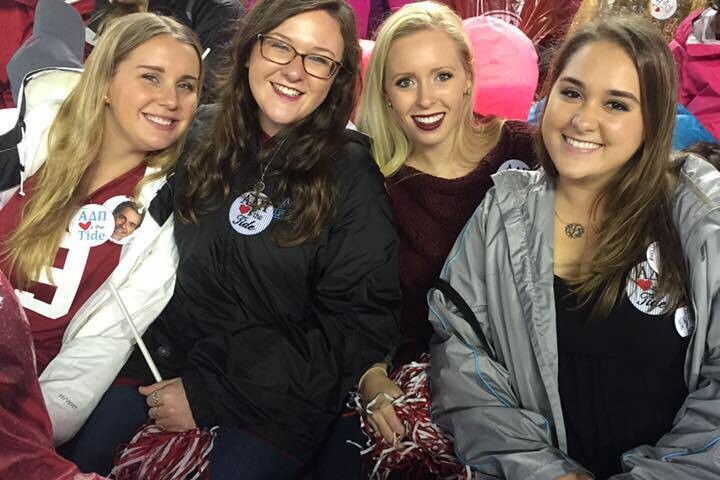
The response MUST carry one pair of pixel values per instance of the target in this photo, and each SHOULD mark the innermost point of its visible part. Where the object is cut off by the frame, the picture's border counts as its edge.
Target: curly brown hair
(304, 177)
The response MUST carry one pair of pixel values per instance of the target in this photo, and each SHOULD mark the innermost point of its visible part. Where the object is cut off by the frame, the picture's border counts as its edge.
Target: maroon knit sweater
(430, 212)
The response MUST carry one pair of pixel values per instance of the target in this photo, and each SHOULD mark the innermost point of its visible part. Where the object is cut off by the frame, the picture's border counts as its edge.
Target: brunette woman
(287, 288)
(591, 338)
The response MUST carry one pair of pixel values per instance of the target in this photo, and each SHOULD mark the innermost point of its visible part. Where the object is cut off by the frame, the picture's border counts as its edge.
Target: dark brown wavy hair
(309, 146)
(637, 200)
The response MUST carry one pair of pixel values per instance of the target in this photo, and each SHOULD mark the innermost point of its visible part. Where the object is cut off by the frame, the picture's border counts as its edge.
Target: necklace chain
(260, 184)
(572, 230)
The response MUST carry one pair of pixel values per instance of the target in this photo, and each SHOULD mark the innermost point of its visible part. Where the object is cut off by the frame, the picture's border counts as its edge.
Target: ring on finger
(155, 399)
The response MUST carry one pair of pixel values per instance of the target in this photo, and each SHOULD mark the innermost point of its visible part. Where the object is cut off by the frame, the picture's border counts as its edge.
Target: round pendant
(92, 225)
(247, 219)
(574, 230)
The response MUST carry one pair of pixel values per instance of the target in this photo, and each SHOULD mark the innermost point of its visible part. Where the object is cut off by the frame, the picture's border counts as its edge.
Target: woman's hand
(383, 420)
(168, 405)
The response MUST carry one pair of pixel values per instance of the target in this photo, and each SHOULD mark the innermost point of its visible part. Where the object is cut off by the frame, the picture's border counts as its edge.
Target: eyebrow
(329, 53)
(158, 69)
(434, 70)
(614, 93)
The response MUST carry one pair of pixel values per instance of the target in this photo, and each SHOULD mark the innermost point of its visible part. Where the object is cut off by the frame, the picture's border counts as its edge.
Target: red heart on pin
(85, 225)
(657, 9)
(644, 283)
(244, 208)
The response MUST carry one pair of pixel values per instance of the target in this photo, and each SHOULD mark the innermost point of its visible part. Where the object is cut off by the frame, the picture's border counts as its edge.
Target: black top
(621, 379)
(271, 339)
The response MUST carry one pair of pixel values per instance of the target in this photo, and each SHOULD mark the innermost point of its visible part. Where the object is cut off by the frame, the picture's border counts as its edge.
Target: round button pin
(92, 225)
(513, 165)
(247, 218)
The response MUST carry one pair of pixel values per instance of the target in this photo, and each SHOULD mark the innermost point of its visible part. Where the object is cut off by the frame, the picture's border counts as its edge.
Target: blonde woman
(437, 157)
(112, 140)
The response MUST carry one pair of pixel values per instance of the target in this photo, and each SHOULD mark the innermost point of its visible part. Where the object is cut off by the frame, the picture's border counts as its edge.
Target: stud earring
(466, 92)
(388, 103)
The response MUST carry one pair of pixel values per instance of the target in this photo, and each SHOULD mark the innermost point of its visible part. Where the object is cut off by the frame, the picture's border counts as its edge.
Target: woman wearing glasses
(287, 287)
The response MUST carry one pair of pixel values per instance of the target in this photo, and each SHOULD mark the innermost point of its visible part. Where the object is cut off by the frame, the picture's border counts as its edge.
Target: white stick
(205, 53)
(138, 339)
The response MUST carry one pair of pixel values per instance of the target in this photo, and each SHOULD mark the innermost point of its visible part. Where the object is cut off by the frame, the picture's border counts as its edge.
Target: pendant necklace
(572, 230)
(252, 212)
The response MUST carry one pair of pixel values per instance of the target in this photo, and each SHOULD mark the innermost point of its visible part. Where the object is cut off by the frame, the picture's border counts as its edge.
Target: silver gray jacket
(505, 415)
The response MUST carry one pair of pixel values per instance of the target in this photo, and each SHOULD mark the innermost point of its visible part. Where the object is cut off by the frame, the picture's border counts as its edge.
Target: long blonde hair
(391, 147)
(637, 200)
(74, 142)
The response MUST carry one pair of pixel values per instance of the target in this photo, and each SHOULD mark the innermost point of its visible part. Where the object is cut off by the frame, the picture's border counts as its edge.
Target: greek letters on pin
(92, 225)
(247, 218)
(641, 290)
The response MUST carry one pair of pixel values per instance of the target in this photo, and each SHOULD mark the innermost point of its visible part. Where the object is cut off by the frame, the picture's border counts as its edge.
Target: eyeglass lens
(282, 53)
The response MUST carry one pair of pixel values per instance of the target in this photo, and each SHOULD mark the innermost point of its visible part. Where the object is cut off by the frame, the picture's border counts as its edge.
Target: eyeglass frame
(261, 38)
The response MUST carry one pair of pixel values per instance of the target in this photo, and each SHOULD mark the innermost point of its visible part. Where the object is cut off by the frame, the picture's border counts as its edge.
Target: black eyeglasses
(282, 53)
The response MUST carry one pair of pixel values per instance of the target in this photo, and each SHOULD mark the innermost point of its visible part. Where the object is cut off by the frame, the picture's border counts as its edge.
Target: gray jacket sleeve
(473, 395)
(692, 448)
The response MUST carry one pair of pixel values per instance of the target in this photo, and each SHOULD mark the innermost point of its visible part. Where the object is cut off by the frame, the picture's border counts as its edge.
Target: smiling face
(425, 81)
(126, 222)
(593, 120)
(286, 94)
(151, 97)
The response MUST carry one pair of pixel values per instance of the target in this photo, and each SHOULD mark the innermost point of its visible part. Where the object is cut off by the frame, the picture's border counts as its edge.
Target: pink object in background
(367, 47)
(506, 68)
(698, 63)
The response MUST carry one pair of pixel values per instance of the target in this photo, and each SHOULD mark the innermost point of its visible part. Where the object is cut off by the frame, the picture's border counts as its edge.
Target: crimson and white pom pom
(157, 454)
(425, 452)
